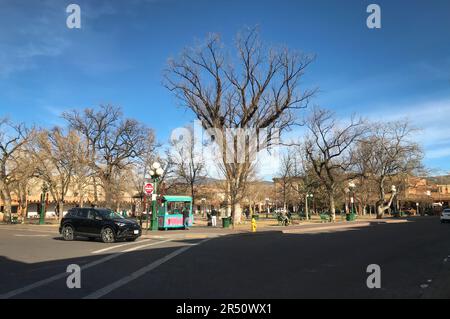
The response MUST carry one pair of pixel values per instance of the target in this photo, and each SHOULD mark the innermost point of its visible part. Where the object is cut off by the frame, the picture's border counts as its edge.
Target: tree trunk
(24, 209)
(107, 185)
(94, 183)
(60, 210)
(237, 213)
(381, 208)
(80, 195)
(192, 193)
(7, 206)
(228, 210)
(332, 208)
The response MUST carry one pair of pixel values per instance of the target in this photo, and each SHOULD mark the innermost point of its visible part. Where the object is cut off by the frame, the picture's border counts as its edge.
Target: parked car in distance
(445, 215)
(409, 211)
(100, 223)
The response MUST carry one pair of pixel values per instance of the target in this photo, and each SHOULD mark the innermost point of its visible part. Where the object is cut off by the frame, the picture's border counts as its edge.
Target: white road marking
(21, 235)
(31, 230)
(142, 246)
(51, 279)
(125, 280)
(117, 246)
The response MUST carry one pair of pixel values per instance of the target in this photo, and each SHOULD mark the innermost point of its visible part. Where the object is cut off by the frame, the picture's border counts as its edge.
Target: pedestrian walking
(213, 217)
(186, 218)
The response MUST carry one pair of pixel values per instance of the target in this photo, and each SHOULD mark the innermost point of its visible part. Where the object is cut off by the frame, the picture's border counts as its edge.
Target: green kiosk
(170, 212)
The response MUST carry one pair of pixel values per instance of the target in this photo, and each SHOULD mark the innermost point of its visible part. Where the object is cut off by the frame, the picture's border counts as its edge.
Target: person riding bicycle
(285, 218)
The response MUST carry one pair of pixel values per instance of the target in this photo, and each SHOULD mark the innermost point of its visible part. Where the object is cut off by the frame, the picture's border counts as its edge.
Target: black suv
(98, 223)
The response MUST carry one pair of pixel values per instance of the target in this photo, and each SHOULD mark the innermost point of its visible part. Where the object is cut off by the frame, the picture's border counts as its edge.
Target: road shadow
(264, 265)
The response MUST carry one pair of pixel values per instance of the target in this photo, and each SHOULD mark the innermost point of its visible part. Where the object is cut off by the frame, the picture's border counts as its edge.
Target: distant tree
(306, 181)
(13, 138)
(24, 180)
(113, 143)
(328, 148)
(387, 154)
(56, 158)
(142, 167)
(286, 177)
(187, 163)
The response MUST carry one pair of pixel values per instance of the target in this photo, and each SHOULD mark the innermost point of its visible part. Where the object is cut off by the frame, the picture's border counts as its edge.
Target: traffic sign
(148, 188)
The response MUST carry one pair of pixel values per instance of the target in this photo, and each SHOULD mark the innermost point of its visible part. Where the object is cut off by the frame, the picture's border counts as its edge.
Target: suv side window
(82, 213)
(91, 214)
(71, 213)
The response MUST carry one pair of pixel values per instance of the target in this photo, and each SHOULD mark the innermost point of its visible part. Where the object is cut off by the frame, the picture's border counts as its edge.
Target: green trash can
(226, 222)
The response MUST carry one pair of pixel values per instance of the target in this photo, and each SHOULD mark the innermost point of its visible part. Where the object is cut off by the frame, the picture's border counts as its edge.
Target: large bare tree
(328, 148)
(236, 96)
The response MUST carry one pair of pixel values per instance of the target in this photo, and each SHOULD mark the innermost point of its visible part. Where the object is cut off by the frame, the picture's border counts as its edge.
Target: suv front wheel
(67, 233)
(108, 235)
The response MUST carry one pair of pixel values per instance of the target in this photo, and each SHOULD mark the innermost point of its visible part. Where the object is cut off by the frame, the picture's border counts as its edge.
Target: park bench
(282, 220)
(14, 219)
(398, 214)
(325, 218)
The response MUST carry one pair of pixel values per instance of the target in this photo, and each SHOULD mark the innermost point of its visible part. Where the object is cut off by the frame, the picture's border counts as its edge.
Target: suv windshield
(108, 214)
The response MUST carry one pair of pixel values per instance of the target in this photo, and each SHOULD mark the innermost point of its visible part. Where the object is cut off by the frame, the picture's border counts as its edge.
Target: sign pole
(154, 226)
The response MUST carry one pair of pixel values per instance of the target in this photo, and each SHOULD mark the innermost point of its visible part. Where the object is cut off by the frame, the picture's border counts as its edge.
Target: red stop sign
(148, 188)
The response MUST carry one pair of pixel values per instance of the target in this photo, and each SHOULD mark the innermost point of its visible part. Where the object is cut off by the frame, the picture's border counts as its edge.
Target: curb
(313, 229)
(187, 236)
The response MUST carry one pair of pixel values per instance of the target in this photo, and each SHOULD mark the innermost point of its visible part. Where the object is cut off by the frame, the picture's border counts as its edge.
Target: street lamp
(430, 201)
(204, 206)
(155, 175)
(351, 187)
(267, 207)
(42, 212)
(394, 192)
(307, 205)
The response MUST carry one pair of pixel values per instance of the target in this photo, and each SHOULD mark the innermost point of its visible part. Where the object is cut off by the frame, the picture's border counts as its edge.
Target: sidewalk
(197, 232)
(201, 231)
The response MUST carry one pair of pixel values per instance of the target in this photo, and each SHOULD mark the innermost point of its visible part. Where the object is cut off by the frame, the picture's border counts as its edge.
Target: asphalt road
(319, 264)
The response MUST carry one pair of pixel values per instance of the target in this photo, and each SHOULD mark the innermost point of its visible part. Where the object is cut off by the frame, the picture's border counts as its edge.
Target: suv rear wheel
(108, 235)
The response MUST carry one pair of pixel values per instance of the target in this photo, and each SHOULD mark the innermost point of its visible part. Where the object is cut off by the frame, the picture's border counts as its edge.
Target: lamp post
(307, 205)
(155, 175)
(351, 187)
(347, 196)
(42, 212)
(204, 207)
(394, 199)
(267, 199)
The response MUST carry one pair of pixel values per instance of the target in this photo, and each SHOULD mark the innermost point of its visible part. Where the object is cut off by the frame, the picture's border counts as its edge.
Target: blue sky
(118, 56)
